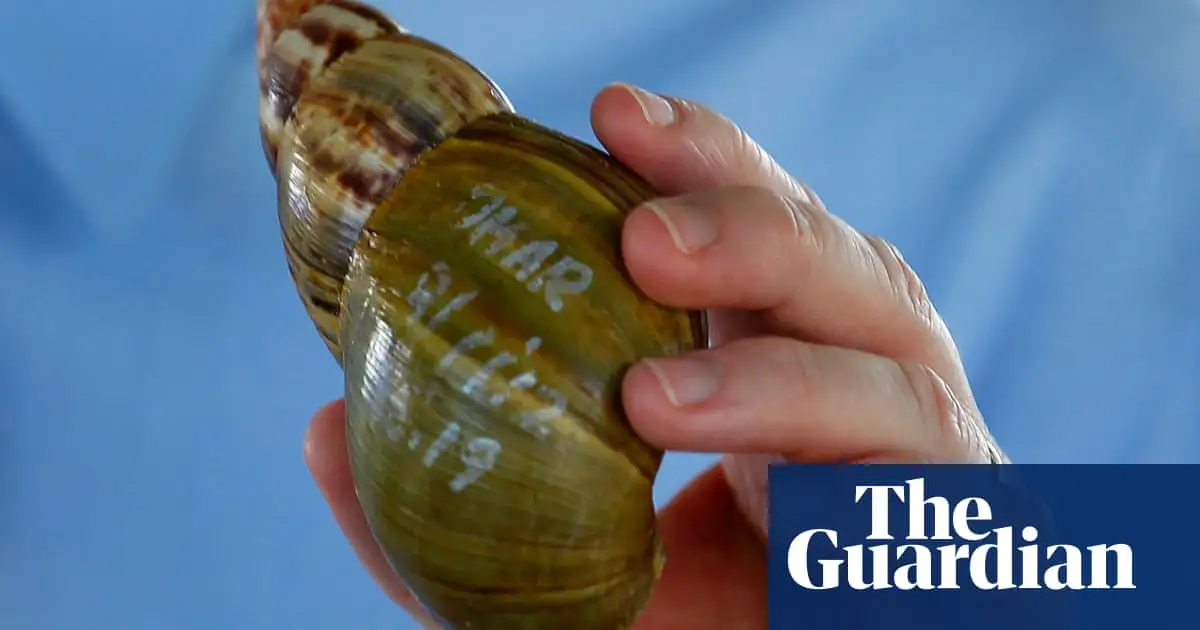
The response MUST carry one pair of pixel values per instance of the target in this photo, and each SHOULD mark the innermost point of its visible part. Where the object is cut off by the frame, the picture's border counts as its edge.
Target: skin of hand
(825, 348)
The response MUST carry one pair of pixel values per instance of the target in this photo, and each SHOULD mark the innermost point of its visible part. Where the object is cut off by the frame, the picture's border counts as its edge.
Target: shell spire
(348, 101)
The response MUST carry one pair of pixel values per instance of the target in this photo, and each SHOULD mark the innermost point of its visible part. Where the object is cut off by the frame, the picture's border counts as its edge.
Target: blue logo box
(983, 547)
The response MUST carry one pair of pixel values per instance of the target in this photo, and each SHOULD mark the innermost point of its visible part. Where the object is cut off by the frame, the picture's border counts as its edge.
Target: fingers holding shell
(813, 403)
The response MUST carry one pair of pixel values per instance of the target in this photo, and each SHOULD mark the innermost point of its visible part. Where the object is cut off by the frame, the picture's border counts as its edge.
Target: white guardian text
(970, 541)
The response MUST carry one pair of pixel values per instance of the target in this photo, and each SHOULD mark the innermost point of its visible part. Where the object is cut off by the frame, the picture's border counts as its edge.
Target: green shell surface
(486, 322)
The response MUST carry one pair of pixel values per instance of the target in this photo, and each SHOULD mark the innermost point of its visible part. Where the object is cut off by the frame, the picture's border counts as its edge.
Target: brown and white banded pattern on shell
(319, 38)
(349, 100)
(273, 16)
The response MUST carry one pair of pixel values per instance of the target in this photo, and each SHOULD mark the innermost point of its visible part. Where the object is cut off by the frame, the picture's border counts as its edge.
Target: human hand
(826, 348)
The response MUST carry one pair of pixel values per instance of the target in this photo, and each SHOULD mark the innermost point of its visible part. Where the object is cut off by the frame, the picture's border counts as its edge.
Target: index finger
(695, 150)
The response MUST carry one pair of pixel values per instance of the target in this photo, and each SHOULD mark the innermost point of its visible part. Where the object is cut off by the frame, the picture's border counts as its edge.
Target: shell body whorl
(463, 265)
(486, 325)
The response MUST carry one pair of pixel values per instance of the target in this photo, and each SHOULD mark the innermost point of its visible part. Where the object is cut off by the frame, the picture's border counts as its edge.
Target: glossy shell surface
(355, 101)
(487, 324)
(463, 265)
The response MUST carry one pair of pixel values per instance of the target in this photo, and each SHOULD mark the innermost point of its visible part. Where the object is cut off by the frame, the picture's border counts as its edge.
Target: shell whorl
(348, 101)
(312, 41)
(450, 253)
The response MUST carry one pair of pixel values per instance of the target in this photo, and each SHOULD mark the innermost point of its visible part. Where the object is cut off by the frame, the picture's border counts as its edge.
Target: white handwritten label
(435, 283)
(468, 343)
(456, 304)
(535, 421)
(529, 258)
(422, 297)
(447, 437)
(566, 277)
(498, 223)
(495, 221)
(525, 380)
(479, 456)
(528, 379)
(475, 384)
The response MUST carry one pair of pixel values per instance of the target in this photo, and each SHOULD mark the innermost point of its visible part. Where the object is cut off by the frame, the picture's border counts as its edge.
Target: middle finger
(811, 275)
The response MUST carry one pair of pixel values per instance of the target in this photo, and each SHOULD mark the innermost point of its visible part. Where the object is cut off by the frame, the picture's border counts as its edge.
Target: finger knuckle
(811, 196)
(792, 360)
(804, 364)
(726, 152)
(950, 424)
(904, 281)
(749, 159)
(811, 234)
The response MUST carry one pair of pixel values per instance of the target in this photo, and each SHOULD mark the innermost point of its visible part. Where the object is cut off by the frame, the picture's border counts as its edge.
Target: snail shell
(463, 265)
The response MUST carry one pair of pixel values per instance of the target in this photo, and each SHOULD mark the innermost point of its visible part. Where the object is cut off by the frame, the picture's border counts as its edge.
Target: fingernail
(686, 380)
(655, 108)
(690, 227)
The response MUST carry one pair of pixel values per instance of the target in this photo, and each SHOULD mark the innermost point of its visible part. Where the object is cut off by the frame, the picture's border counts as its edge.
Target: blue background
(1035, 160)
(1150, 508)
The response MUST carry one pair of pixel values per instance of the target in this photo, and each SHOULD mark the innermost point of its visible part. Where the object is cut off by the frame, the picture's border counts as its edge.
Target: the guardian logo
(973, 550)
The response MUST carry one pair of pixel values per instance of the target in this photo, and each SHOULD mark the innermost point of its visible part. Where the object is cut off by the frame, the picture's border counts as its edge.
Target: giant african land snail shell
(462, 264)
